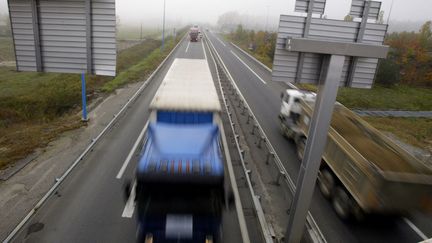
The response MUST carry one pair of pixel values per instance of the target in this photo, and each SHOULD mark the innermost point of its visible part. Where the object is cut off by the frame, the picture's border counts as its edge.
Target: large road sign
(285, 62)
(67, 36)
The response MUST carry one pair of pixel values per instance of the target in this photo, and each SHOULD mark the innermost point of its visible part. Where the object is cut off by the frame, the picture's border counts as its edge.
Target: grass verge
(399, 97)
(36, 107)
(6, 49)
(414, 131)
(140, 70)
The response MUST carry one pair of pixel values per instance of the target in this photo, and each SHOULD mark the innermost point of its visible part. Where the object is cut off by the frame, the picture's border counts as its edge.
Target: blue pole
(84, 98)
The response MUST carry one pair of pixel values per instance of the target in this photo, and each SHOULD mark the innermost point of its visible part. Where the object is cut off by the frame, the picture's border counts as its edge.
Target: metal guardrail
(266, 230)
(89, 148)
(312, 227)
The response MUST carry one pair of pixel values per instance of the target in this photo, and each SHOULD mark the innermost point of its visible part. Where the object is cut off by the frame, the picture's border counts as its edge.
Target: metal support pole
(317, 138)
(163, 28)
(36, 34)
(262, 138)
(305, 35)
(141, 32)
(279, 176)
(360, 35)
(253, 129)
(88, 11)
(269, 156)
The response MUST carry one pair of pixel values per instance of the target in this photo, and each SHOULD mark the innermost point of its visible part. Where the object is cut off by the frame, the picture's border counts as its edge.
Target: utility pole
(141, 32)
(391, 8)
(163, 27)
(267, 18)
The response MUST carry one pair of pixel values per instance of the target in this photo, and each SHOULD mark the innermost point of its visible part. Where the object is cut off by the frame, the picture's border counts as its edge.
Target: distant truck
(362, 171)
(194, 34)
(180, 185)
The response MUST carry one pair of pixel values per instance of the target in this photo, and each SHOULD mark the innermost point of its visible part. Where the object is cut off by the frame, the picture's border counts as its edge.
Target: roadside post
(345, 53)
(84, 98)
(163, 26)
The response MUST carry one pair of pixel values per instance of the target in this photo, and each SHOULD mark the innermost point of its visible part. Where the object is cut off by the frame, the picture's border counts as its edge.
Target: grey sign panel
(302, 6)
(67, 36)
(285, 62)
(336, 48)
(357, 9)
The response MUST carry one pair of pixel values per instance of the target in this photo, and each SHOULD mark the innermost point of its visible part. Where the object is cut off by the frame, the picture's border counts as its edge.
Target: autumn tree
(412, 53)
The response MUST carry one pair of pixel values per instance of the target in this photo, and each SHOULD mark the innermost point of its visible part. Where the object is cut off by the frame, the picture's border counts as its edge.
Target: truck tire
(326, 182)
(301, 145)
(342, 203)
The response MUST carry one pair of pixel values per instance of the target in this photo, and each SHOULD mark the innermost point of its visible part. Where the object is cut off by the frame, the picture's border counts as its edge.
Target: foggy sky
(207, 11)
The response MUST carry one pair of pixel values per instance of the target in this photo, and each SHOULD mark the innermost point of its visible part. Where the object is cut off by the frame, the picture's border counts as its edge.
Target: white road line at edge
(129, 157)
(264, 82)
(130, 204)
(220, 41)
(187, 46)
(415, 228)
(205, 54)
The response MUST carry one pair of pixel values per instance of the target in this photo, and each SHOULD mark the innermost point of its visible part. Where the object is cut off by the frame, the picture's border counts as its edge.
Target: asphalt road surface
(263, 96)
(89, 205)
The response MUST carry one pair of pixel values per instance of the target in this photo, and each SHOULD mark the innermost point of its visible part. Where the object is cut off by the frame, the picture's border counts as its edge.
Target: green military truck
(362, 171)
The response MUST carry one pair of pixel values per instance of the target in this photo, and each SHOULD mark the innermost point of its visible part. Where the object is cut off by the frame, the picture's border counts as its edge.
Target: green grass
(414, 131)
(140, 70)
(36, 107)
(399, 97)
(6, 49)
(134, 32)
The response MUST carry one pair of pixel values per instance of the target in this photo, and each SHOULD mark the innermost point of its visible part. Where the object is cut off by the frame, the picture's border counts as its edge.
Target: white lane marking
(205, 54)
(264, 82)
(292, 86)
(252, 57)
(129, 157)
(187, 47)
(130, 204)
(220, 41)
(415, 229)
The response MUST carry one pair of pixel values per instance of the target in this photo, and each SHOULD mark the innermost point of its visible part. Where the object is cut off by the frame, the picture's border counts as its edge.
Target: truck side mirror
(127, 190)
(282, 95)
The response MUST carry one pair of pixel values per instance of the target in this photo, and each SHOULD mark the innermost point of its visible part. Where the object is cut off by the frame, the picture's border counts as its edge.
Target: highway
(89, 205)
(263, 97)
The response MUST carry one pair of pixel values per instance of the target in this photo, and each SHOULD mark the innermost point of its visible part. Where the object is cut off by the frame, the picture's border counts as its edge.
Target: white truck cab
(291, 101)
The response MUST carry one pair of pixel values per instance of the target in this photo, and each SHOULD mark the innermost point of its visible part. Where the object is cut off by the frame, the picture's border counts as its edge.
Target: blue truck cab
(180, 188)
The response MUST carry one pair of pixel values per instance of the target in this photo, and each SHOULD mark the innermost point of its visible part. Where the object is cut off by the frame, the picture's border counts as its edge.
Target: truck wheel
(301, 145)
(326, 183)
(358, 213)
(341, 203)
